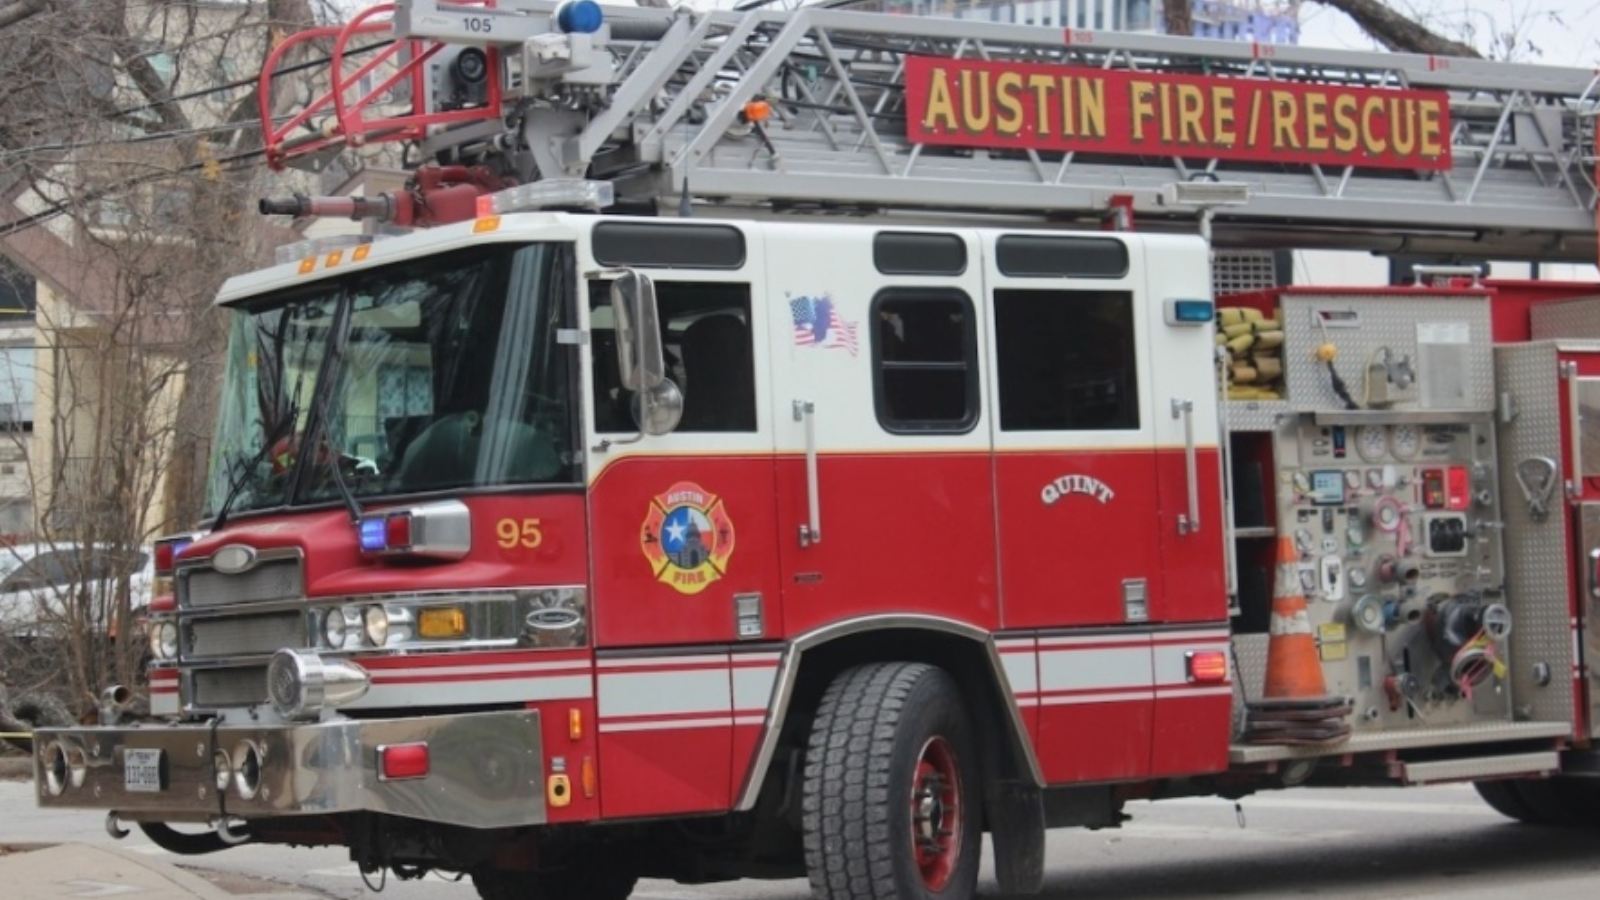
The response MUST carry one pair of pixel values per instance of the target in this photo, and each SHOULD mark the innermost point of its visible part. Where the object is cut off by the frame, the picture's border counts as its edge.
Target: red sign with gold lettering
(973, 103)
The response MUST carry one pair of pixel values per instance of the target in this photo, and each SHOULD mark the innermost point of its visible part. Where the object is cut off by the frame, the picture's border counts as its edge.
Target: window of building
(925, 360)
(18, 292)
(16, 388)
(1067, 360)
(709, 353)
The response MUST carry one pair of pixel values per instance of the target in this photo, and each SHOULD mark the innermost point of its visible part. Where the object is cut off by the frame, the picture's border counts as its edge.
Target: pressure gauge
(1372, 442)
(1357, 576)
(1404, 441)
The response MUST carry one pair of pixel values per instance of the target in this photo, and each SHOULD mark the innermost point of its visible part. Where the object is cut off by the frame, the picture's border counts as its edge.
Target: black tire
(595, 882)
(889, 737)
(1563, 801)
(1504, 798)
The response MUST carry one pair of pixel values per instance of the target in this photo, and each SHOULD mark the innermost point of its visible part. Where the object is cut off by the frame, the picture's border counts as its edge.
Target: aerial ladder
(806, 110)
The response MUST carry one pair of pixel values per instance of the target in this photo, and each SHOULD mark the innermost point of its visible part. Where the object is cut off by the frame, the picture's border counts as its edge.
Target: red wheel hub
(937, 818)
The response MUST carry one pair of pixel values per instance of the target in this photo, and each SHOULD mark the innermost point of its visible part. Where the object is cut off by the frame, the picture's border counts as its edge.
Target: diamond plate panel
(1536, 561)
(1254, 415)
(1392, 321)
(1567, 319)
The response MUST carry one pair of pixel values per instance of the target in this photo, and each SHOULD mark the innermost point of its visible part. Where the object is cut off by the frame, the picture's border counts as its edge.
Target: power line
(61, 208)
(64, 206)
(192, 95)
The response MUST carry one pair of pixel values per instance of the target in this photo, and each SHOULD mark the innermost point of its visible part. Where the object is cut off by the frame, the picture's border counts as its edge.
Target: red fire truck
(798, 443)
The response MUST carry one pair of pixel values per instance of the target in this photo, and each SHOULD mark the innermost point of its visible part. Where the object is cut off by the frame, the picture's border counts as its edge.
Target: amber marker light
(442, 622)
(575, 724)
(757, 111)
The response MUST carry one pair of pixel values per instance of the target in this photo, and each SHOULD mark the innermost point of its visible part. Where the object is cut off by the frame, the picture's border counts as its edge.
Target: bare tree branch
(24, 9)
(1397, 32)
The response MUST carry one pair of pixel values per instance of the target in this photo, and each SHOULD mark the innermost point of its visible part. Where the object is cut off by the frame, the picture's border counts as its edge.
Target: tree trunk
(1178, 17)
(1396, 32)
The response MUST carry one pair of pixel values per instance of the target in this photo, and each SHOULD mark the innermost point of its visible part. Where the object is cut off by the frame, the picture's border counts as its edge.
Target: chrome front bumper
(485, 770)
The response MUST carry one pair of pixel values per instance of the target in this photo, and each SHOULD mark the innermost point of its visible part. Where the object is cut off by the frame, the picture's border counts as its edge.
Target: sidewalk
(81, 870)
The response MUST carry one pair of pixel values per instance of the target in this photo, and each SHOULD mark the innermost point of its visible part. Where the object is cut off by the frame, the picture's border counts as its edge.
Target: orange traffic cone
(1295, 707)
(1293, 670)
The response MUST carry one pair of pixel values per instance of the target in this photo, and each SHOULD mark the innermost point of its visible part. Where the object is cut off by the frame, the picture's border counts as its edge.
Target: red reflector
(1207, 666)
(398, 761)
(163, 604)
(397, 531)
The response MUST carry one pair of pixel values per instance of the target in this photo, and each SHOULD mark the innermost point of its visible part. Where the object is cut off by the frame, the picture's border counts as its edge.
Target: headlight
(335, 629)
(164, 640)
(376, 621)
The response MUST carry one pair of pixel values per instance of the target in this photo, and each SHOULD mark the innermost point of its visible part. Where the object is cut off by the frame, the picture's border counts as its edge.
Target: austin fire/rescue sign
(974, 103)
(687, 537)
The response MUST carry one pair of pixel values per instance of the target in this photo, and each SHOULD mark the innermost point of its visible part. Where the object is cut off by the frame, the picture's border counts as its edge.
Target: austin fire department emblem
(687, 537)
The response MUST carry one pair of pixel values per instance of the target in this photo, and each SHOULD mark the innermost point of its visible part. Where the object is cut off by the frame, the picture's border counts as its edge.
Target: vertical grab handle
(805, 411)
(1189, 524)
(1569, 371)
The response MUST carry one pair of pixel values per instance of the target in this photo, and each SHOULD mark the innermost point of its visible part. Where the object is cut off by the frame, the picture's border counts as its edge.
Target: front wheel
(890, 803)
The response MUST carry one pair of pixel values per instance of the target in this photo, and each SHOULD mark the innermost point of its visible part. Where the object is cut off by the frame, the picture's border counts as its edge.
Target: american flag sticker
(817, 323)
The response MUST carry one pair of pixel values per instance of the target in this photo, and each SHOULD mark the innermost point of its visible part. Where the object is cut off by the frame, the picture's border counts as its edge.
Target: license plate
(141, 771)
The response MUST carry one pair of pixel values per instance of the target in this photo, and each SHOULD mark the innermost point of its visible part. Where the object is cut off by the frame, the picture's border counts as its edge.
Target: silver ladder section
(1522, 182)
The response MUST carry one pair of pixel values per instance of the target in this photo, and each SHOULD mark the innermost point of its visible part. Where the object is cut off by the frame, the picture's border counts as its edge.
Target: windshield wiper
(279, 431)
(331, 365)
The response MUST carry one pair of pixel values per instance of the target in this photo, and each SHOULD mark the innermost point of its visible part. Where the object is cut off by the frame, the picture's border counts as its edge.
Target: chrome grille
(243, 635)
(277, 579)
(218, 688)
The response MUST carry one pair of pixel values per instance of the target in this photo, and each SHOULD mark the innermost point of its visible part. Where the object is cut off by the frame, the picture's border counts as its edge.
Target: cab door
(682, 529)
(1077, 490)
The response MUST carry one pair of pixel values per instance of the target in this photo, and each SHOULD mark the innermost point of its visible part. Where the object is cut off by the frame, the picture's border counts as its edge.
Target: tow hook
(229, 837)
(114, 826)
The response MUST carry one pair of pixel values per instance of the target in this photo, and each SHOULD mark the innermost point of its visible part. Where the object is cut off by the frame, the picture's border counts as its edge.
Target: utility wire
(222, 162)
(58, 209)
(203, 92)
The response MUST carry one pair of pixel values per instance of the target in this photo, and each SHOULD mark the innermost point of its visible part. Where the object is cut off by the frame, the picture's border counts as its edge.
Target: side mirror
(639, 356)
(658, 410)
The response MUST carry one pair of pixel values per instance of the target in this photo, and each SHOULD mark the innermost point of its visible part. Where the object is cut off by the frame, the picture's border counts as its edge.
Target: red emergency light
(167, 551)
(440, 530)
(1207, 666)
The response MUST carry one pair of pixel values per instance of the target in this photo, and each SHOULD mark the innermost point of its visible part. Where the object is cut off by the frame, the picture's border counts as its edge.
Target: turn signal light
(402, 761)
(442, 622)
(1207, 666)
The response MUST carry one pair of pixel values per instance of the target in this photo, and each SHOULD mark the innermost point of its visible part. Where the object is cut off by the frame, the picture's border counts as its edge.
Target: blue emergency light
(579, 17)
(1190, 312)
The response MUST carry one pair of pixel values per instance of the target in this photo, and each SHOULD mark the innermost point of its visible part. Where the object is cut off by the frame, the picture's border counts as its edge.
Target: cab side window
(1067, 360)
(709, 351)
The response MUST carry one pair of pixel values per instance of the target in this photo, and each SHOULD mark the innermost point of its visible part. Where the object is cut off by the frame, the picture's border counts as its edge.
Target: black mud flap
(1016, 821)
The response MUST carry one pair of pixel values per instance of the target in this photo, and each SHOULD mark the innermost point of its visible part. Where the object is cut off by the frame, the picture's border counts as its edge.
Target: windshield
(439, 374)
